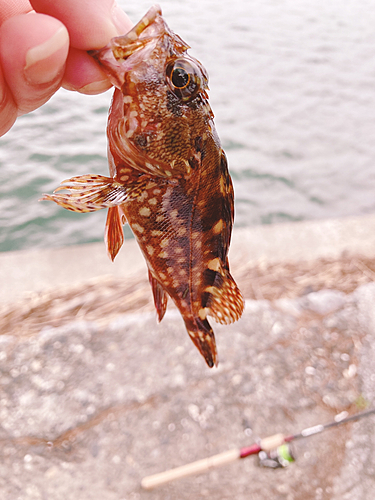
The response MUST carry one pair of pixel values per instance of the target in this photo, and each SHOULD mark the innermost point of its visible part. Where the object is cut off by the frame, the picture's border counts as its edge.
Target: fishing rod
(273, 451)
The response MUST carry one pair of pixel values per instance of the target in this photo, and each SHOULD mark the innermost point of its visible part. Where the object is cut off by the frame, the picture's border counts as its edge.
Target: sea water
(292, 86)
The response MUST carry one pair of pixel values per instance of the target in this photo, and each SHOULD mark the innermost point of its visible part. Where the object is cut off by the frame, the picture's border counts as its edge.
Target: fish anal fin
(225, 303)
(114, 234)
(88, 193)
(203, 337)
(160, 296)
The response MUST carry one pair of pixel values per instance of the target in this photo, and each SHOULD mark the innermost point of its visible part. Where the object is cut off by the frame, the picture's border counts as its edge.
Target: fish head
(162, 108)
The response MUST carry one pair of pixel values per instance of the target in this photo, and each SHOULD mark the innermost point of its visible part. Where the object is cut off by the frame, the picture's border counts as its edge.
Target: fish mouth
(121, 47)
(116, 58)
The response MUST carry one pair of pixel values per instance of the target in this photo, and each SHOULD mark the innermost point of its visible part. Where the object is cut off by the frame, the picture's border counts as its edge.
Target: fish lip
(116, 57)
(123, 53)
(132, 39)
(134, 34)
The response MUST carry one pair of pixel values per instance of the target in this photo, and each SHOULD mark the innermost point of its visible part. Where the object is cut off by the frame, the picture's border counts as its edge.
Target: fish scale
(169, 178)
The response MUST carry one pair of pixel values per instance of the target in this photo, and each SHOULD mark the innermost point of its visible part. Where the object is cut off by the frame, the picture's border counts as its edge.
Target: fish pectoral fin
(114, 235)
(88, 193)
(225, 303)
(160, 296)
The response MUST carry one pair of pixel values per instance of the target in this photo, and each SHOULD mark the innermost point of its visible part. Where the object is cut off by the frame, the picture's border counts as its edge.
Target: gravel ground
(87, 409)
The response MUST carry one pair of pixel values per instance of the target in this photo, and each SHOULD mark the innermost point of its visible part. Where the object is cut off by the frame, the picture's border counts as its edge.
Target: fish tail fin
(160, 297)
(114, 234)
(88, 193)
(203, 337)
(225, 303)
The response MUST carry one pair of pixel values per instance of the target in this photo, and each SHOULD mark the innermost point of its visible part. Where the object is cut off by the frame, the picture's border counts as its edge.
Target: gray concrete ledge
(88, 410)
(307, 240)
(36, 270)
(42, 269)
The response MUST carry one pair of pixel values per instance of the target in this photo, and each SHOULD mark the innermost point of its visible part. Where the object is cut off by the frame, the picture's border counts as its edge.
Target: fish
(169, 178)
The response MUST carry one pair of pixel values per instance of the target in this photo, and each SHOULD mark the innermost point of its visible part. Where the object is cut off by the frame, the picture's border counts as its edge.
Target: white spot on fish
(214, 264)
(218, 227)
(150, 250)
(202, 313)
(144, 212)
(138, 228)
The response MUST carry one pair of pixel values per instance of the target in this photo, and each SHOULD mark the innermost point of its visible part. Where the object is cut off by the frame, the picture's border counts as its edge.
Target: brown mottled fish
(169, 177)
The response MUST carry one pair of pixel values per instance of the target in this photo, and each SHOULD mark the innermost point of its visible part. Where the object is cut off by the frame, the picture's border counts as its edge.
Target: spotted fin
(225, 303)
(114, 235)
(160, 297)
(89, 193)
(204, 339)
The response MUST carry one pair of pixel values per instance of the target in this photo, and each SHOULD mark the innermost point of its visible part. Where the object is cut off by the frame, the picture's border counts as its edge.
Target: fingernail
(94, 88)
(39, 68)
(120, 20)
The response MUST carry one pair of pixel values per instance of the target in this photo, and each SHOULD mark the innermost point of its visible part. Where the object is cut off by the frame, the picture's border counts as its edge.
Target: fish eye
(184, 78)
(180, 78)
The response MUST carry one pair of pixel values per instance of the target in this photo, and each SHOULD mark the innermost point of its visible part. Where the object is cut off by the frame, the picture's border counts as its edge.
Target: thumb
(33, 51)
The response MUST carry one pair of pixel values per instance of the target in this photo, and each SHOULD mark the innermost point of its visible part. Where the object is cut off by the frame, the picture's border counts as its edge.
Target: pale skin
(43, 46)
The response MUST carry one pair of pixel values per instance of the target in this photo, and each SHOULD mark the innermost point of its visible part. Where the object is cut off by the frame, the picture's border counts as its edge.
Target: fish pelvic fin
(114, 234)
(88, 193)
(160, 296)
(204, 339)
(225, 303)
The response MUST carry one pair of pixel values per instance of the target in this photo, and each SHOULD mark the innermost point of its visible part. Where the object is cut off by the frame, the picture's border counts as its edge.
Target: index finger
(91, 23)
(13, 8)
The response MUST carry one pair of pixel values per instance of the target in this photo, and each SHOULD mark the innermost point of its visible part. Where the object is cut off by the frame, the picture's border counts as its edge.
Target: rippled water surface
(293, 91)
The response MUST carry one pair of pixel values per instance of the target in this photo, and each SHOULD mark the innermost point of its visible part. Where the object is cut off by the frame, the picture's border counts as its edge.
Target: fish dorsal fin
(88, 193)
(160, 296)
(114, 235)
(225, 302)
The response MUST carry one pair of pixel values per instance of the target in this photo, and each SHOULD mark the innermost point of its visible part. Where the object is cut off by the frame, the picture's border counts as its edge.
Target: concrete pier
(88, 410)
(35, 270)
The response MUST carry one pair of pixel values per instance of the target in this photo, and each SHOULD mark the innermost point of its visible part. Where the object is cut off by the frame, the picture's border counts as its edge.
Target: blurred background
(293, 91)
(95, 395)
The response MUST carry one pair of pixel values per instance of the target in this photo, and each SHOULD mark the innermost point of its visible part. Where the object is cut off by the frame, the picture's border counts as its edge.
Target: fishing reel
(280, 457)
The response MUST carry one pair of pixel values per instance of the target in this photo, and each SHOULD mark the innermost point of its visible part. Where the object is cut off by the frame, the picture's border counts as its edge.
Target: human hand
(43, 46)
